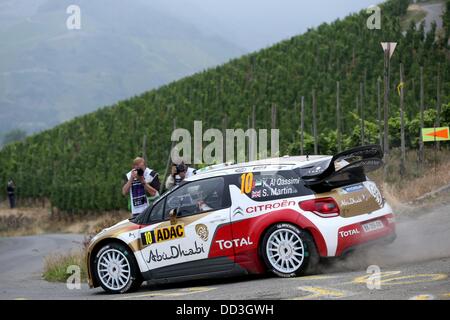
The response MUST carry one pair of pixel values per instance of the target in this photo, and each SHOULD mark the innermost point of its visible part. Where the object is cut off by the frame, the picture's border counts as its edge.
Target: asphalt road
(415, 266)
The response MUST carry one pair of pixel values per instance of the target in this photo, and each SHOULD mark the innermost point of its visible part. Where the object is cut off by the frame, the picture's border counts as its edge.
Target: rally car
(276, 215)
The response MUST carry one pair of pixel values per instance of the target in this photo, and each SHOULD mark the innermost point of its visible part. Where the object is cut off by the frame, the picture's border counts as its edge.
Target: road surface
(433, 14)
(415, 266)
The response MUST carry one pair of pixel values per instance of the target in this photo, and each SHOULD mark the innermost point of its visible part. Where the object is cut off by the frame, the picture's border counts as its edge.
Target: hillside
(78, 165)
(49, 74)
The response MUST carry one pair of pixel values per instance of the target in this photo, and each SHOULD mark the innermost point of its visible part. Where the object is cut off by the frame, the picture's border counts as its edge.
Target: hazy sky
(258, 23)
(138, 44)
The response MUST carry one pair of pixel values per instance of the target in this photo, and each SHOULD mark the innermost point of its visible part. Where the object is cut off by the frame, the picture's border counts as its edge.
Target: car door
(180, 245)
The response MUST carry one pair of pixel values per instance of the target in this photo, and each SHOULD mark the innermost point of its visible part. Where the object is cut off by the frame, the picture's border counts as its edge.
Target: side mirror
(173, 216)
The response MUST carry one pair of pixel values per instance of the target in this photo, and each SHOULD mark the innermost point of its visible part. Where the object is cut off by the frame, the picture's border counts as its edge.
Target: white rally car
(279, 215)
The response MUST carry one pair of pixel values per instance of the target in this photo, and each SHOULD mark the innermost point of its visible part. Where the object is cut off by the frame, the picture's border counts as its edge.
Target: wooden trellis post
(402, 122)
(338, 118)
(316, 148)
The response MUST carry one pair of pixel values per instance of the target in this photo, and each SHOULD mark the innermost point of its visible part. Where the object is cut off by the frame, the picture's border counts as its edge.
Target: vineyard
(79, 165)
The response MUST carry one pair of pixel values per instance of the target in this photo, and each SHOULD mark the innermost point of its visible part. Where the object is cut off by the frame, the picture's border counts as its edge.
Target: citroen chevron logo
(237, 211)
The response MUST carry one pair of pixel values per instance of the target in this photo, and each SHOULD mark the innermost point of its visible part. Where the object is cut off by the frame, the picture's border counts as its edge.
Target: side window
(157, 211)
(266, 186)
(197, 197)
(152, 214)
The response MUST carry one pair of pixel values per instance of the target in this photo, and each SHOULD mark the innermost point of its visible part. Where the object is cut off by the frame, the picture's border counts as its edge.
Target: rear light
(323, 207)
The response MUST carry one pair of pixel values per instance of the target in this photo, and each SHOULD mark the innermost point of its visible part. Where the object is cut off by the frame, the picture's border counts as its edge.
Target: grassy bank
(25, 221)
(56, 266)
(419, 177)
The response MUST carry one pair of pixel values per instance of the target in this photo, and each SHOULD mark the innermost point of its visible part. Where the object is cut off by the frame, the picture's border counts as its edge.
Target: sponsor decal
(175, 252)
(163, 234)
(373, 189)
(270, 206)
(247, 182)
(259, 168)
(238, 211)
(315, 170)
(282, 191)
(227, 244)
(202, 231)
(371, 163)
(285, 181)
(276, 186)
(268, 185)
(256, 194)
(353, 200)
(348, 233)
(354, 188)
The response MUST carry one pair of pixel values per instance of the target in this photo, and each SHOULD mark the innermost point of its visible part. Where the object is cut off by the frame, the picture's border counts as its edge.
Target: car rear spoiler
(344, 168)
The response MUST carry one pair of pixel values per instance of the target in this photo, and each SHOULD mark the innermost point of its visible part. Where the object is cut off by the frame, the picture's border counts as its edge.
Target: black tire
(135, 278)
(310, 260)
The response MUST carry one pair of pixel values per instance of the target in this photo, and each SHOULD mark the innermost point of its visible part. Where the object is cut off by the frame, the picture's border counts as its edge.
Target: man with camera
(178, 174)
(140, 182)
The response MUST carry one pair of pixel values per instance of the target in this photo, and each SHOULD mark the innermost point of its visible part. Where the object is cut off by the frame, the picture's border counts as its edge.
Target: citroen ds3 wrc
(276, 215)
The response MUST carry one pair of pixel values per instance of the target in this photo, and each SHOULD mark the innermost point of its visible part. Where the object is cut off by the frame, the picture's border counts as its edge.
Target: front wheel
(116, 269)
(289, 251)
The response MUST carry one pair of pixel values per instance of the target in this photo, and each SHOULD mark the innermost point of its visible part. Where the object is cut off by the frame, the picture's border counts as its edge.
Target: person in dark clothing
(10, 189)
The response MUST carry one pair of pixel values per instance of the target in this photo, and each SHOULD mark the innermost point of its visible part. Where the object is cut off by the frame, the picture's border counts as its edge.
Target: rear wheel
(116, 269)
(289, 251)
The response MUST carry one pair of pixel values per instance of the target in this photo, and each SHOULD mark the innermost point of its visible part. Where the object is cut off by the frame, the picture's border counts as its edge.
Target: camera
(140, 172)
(181, 168)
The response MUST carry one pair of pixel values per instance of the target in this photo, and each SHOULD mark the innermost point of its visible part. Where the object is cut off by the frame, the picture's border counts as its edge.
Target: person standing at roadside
(10, 189)
(179, 173)
(140, 182)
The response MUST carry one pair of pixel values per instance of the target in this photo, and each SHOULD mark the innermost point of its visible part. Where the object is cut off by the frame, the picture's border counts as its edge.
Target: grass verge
(26, 221)
(59, 267)
(418, 178)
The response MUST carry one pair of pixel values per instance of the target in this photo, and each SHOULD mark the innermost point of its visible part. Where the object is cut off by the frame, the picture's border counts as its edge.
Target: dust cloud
(422, 235)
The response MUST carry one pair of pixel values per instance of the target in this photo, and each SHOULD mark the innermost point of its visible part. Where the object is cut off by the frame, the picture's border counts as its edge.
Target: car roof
(270, 164)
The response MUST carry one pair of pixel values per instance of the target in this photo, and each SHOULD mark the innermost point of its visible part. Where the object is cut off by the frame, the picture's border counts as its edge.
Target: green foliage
(446, 21)
(445, 114)
(295, 146)
(79, 165)
(59, 267)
